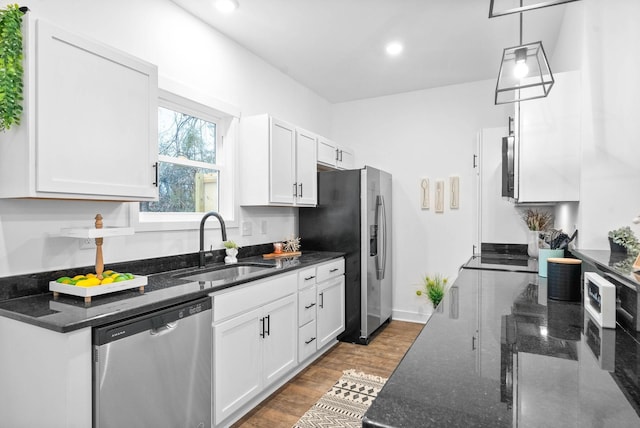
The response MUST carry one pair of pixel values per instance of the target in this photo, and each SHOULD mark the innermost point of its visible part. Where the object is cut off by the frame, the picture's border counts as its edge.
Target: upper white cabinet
(333, 155)
(549, 149)
(89, 128)
(277, 163)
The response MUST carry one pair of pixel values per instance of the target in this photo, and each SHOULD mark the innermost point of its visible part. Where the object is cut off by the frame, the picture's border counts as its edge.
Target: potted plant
(433, 288)
(11, 70)
(536, 221)
(623, 240)
(232, 251)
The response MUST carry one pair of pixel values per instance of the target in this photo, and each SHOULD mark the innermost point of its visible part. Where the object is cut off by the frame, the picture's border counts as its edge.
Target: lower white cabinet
(267, 331)
(251, 351)
(330, 310)
(320, 307)
(253, 347)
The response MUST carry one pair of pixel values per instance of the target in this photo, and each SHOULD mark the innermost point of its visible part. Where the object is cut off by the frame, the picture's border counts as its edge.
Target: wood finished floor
(380, 357)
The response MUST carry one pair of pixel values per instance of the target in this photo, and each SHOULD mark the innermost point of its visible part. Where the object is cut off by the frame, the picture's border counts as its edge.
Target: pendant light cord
(521, 23)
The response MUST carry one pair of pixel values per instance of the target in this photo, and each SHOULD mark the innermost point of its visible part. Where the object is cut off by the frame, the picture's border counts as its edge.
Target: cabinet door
(237, 350)
(330, 310)
(306, 169)
(280, 341)
(327, 152)
(549, 143)
(281, 162)
(345, 158)
(96, 118)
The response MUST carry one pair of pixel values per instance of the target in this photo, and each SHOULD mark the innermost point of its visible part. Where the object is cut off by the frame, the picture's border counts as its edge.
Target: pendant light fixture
(524, 72)
(505, 7)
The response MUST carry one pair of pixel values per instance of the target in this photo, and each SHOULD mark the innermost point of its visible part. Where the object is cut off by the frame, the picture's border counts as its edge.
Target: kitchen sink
(227, 272)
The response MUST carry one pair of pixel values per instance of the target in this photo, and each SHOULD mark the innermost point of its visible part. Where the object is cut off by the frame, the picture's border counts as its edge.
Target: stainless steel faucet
(223, 229)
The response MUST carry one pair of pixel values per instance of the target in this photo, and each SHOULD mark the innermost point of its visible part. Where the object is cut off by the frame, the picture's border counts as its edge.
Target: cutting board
(283, 254)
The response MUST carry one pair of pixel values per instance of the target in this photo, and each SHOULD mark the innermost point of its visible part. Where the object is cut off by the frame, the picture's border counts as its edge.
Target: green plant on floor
(11, 70)
(624, 236)
(433, 288)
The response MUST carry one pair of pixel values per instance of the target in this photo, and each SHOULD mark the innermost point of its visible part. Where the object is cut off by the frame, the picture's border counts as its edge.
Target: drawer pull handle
(310, 306)
(309, 277)
(334, 270)
(306, 342)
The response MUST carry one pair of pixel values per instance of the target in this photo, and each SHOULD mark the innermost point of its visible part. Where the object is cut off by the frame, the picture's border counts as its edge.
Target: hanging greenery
(11, 70)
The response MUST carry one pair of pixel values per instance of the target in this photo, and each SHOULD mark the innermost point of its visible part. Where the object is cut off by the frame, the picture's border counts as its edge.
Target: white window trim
(188, 100)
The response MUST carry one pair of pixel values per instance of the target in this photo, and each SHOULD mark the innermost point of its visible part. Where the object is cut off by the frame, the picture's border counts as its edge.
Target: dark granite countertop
(68, 313)
(618, 264)
(498, 353)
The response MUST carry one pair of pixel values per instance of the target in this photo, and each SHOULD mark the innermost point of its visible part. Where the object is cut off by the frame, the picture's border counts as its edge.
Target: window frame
(189, 101)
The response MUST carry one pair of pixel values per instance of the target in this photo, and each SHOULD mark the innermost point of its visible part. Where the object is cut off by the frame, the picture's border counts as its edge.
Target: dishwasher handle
(167, 328)
(156, 323)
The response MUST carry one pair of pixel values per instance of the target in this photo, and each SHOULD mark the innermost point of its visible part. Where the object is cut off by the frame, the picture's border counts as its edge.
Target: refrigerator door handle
(382, 243)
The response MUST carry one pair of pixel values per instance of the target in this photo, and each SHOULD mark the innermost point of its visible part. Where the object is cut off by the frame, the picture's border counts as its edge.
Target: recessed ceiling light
(394, 48)
(226, 6)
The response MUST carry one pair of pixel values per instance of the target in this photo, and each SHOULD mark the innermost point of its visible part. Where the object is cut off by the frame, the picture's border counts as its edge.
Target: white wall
(432, 134)
(189, 52)
(610, 176)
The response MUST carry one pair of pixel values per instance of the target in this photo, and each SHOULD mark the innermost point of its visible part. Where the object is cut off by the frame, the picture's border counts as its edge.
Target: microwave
(508, 166)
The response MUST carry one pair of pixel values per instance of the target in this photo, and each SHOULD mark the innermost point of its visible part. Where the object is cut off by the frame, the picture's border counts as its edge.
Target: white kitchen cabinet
(255, 341)
(280, 332)
(321, 315)
(330, 310)
(45, 367)
(237, 358)
(548, 149)
(333, 155)
(277, 162)
(89, 127)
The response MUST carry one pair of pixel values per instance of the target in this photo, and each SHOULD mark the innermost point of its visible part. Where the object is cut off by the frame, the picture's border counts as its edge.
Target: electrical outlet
(87, 244)
(263, 227)
(246, 228)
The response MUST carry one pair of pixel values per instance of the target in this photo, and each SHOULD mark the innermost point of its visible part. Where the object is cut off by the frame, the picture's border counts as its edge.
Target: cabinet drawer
(243, 298)
(330, 270)
(306, 278)
(306, 305)
(306, 341)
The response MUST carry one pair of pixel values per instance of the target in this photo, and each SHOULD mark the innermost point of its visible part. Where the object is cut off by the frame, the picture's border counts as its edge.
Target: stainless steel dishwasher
(155, 370)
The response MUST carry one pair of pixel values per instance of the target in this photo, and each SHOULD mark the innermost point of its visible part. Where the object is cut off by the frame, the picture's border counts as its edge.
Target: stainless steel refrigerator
(353, 215)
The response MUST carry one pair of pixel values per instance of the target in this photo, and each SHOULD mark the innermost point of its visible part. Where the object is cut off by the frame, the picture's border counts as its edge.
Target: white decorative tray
(88, 292)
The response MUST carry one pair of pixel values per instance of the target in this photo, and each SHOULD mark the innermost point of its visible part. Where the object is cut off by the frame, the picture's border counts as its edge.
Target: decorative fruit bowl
(90, 285)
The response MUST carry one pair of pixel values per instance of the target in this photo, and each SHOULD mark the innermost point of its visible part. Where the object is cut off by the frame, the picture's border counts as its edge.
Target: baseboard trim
(409, 316)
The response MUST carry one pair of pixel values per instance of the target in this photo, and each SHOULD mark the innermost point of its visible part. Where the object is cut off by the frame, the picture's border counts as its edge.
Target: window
(195, 164)
(188, 173)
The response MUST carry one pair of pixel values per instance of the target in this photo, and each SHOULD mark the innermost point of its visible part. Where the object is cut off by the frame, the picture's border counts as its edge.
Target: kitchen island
(498, 353)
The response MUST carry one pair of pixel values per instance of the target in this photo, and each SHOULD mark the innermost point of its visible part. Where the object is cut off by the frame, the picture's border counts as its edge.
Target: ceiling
(336, 47)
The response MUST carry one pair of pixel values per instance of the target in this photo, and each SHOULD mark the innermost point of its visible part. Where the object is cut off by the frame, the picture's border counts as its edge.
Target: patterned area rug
(345, 403)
